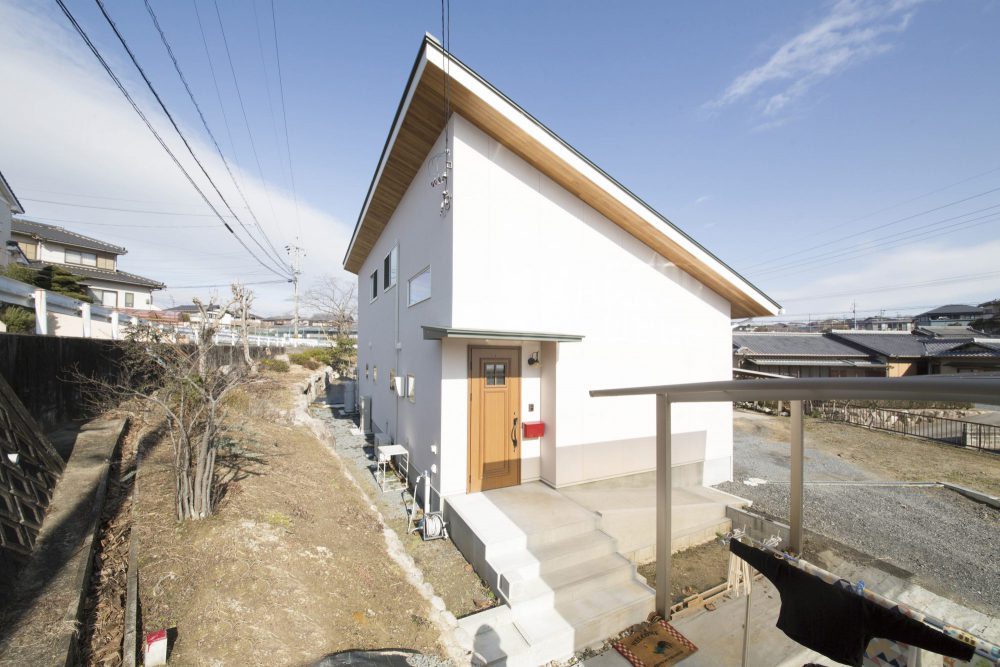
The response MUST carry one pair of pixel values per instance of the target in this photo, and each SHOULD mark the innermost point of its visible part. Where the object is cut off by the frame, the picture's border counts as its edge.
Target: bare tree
(189, 384)
(243, 300)
(336, 299)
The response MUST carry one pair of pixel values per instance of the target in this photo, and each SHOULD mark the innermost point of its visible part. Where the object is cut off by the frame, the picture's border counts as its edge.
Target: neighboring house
(979, 355)
(192, 313)
(95, 261)
(535, 279)
(952, 314)
(904, 324)
(803, 355)
(990, 309)
(9, 205)
(900, 353)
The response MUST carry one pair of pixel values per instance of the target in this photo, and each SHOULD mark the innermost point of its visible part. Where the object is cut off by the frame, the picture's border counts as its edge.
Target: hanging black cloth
(834, 620)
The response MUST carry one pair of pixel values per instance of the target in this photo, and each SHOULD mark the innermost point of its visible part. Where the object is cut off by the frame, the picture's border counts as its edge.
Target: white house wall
(143, 295)
(531, 256)
(423, 237)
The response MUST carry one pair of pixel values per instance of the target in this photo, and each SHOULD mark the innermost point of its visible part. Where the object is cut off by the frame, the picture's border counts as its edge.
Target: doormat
(657, 644)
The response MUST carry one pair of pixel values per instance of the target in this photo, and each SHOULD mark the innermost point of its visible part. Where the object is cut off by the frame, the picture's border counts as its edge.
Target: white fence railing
(60, 315)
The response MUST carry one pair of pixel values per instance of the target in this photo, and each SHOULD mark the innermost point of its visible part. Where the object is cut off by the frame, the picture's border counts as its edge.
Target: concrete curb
(443, 619)
(130, 643)
(971, 494)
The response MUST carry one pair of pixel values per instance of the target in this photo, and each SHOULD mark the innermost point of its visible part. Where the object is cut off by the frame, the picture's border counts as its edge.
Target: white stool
(384, 458)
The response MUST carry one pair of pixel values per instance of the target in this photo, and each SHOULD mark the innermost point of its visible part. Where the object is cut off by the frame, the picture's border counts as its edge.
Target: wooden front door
(494, 424)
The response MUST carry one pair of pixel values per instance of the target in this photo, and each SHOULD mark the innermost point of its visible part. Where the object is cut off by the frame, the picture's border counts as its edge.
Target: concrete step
(558, 632)
(569, 583)
(518, 565)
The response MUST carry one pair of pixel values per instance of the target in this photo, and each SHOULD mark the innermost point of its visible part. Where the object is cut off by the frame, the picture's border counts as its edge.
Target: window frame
(411, 392)
(409, 287)
(80, 255)
(390, 269)
(374, 286)
(130, 296)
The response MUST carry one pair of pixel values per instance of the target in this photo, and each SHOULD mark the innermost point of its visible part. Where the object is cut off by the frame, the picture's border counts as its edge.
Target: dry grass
(905, 458)
(293, 565)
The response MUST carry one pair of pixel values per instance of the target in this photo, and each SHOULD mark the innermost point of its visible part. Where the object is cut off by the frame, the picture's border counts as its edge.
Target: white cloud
(917, 275)
(854, 31)
(67, 129)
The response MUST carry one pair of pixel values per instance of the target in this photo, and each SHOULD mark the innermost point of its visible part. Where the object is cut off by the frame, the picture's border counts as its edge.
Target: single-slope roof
(62, 235)
(420, 120)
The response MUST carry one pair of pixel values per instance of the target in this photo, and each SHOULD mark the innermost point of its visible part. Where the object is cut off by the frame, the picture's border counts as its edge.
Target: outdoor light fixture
(533, 359)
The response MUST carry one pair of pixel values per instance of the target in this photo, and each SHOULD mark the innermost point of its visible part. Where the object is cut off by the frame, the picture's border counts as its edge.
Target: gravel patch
(949, 543)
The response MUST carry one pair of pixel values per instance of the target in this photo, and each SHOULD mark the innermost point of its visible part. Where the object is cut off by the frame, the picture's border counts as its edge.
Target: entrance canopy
(440, 333)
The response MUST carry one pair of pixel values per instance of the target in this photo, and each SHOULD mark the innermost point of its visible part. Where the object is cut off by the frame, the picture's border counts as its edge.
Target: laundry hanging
(835, 621)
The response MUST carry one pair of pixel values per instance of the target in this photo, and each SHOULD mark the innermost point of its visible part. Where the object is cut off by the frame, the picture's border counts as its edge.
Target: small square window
(129, 299)
(496, 374)
(389, 269)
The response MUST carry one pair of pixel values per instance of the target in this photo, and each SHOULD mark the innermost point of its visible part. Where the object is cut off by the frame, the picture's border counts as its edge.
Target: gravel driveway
(949, 543)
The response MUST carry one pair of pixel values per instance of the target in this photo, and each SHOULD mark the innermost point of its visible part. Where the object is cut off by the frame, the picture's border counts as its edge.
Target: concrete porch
(627, 507)
(560, 566)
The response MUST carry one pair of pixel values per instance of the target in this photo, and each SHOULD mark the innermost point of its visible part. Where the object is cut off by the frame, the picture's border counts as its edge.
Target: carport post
(663, 508)
(797, 427)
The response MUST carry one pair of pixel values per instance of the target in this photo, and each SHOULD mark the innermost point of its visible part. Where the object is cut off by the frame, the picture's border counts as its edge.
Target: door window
(496, 373)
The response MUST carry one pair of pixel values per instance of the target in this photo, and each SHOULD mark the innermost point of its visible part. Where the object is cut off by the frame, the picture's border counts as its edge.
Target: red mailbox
(533, 430)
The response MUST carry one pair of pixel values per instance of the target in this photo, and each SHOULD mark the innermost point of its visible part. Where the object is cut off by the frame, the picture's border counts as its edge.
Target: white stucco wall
(143, 295)
(531, 256)
(423, 237)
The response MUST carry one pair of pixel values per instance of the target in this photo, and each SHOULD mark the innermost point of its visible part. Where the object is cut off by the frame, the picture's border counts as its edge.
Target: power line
(107, 68)
(868, 231)
(854, 254)
(890, 288)
(895, 235)
(204, 122)
(246, 121)
(125, 210)
(284, 118)
(262, 282)
(902, 203)
(194, 156)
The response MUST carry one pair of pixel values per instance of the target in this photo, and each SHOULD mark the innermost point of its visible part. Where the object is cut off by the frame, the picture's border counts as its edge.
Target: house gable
(420, 120)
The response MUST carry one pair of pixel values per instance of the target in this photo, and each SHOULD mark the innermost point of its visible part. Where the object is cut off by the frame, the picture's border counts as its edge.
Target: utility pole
(295, 252)
(854, 309)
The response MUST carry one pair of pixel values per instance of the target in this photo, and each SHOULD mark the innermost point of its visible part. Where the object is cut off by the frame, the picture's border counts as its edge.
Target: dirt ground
(892, 457)
(693, 570)
(440, 561)
(293, 565)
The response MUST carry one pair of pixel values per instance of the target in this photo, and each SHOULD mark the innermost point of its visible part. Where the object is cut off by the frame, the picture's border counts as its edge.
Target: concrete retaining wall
(40, 369)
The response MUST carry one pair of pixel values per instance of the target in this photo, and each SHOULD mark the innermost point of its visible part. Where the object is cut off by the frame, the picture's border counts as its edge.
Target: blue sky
(761, 129)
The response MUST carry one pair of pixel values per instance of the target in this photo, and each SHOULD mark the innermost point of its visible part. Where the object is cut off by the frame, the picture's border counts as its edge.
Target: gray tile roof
(888, 344)
(123, 277)
(979, 349)
(953, 309)
(62, 235)
(794, 345)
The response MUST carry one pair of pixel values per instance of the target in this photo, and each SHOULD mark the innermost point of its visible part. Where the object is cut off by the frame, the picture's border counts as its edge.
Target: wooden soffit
(420, 121)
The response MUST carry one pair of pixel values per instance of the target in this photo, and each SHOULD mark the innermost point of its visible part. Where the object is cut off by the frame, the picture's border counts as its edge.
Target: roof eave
(746, 299)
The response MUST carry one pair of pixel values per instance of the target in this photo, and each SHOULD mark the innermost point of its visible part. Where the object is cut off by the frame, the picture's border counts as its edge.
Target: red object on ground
(533, 430)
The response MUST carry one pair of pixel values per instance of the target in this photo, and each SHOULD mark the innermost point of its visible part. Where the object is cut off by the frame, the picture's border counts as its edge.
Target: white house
(95, 261)
(501, 277)
(9, 205)
(538, 279)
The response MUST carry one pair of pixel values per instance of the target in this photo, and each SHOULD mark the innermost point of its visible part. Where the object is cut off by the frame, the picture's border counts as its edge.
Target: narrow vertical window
(390, 268)
(374, 285)
(411, 388)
